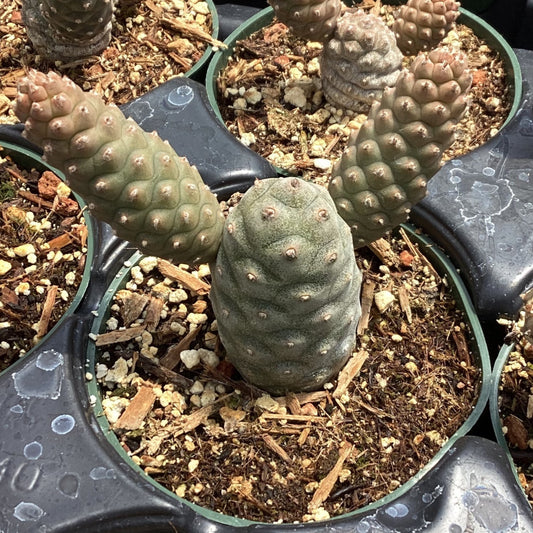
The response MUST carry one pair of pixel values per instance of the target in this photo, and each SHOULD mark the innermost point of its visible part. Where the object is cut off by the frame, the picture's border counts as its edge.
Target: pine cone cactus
(387, 165)
(359, 61)
(66, 30)
(129, 178)
(422, 24)
(286, 286)
(311, 19)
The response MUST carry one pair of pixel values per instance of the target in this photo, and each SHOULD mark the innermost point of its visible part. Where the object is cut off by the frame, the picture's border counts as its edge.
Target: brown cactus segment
(387, 164)
(422, 24)
(314, 20)
(66, 30)
(286, 286)
(130, 179)
(359, 61)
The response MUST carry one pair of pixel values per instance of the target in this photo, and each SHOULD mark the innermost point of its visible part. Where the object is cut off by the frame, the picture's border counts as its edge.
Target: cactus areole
(286, 286)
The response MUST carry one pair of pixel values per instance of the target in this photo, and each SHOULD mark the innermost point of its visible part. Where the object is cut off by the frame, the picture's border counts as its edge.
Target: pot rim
(26, 157)
(494, 409)
(443, 265)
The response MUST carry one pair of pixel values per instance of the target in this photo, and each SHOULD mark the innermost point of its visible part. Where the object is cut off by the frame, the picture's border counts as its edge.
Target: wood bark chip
(154, 368)
(153, 313)
(121, 335)
(352, 369)
(405, 306)
(137, 410)
(186, 279)
(416, 253)
(275, 447)
(367, 298)
(326, 485)
(172, 358)
(48, 307)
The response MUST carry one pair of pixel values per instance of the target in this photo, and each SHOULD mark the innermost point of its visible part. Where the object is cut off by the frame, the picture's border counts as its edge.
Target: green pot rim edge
(501, 361)
(444, 265)
(265, 16)
(27, 158)
(206, 56)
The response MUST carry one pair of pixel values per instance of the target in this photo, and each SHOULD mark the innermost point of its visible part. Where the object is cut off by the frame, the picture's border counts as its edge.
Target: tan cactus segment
(422, 24)
(359, 61)
(314, 20)
(387, 164)
(130, 179)
(67, 30)
(286, 286)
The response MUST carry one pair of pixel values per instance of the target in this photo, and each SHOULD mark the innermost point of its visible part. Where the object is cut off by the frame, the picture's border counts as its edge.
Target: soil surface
(184, 415)
(256, 99)
(515, 400)
(42, 256)
(152, 41)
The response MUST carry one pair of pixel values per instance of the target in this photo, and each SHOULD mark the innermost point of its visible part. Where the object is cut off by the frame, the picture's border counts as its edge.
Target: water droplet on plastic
(17, 409)
(101, 472)
(28, 512)
(42, 379)
(63, 424)
(180, 96)
(398, 510)
(454, 528)
(69, 485)
(33, 450)
(49, 360)
(489, 171)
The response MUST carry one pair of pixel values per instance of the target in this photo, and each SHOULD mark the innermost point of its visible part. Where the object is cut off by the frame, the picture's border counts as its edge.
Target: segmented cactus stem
(387, 164)
(131, 179)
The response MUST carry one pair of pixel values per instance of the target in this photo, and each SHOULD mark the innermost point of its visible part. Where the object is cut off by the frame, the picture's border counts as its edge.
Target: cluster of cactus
(63, 30)
(361, 54)
(285, 284)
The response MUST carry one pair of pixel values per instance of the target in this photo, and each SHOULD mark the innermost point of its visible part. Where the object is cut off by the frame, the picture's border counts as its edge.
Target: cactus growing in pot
(65, 30)
(285, 267)
(361, 55)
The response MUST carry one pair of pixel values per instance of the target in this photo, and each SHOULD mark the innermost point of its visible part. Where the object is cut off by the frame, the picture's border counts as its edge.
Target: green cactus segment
(359, 61)
(67, 30)
(422, 24)
(387, 165)
(129, 178)
(286, 286)
(314, 20)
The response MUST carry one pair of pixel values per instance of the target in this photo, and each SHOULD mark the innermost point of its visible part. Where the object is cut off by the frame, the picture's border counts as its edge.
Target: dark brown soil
(216, 441)
(42, 256)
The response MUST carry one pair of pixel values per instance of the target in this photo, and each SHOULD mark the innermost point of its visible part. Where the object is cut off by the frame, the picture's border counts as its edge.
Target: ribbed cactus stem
(423, 24)
(314, 20)
(286, 286)
(66, 30)
(130, 179)
(359, 61)
(387, 164)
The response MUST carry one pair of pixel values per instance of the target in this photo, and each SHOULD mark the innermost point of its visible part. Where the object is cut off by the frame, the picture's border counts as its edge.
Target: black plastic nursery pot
(29, 160)
(391, 511)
